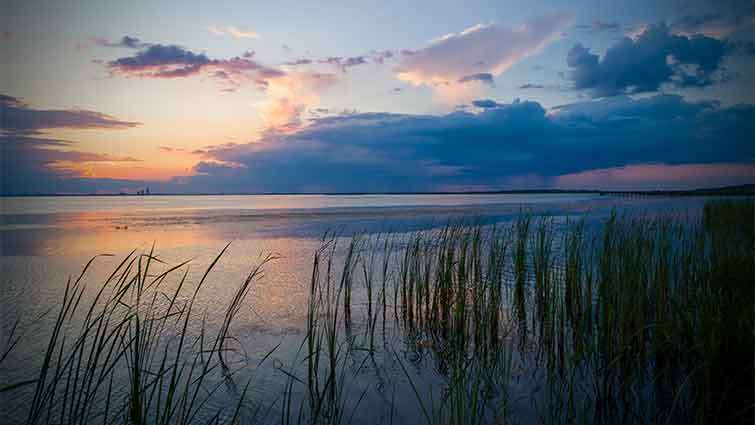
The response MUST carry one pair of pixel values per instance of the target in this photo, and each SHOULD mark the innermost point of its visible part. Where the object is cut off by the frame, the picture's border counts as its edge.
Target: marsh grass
(628, 320)
(128, 355)
(632, 319)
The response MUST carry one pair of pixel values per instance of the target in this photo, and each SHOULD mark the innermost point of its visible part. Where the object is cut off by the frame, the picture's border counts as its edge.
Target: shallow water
(45, 240)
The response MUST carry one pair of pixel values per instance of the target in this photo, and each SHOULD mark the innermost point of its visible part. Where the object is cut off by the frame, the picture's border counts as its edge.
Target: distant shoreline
(503, 192)
(741, 190)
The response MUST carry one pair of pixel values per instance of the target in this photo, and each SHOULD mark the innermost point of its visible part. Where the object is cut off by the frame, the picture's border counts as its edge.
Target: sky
(392, 96)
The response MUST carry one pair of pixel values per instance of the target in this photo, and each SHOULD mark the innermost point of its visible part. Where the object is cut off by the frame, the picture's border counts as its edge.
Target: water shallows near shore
(565, 312)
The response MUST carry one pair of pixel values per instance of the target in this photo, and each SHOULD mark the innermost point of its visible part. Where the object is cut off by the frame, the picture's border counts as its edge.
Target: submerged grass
(635, 319)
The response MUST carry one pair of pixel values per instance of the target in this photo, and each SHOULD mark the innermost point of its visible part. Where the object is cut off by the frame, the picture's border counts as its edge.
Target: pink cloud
(453, 63)
(659, 176)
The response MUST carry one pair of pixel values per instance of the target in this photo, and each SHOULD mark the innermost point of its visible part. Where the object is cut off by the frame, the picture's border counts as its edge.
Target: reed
(128, 354)
(522, 229)
(635, 319)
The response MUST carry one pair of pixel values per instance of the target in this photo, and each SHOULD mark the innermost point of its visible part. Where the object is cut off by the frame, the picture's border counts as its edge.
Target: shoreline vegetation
(739, 190)
(634, 319)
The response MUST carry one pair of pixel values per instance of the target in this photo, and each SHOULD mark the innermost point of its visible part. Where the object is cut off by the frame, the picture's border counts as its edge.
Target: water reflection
(41, 249)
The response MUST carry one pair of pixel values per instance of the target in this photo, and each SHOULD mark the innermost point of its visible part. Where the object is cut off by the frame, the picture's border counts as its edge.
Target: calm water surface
(45, 240)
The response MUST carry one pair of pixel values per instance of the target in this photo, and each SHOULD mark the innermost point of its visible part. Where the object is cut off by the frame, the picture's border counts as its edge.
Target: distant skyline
(420, 96)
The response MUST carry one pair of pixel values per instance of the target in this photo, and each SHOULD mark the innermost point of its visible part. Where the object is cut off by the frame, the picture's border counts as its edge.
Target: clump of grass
(522, 229)
(328, 338)
(542, 262)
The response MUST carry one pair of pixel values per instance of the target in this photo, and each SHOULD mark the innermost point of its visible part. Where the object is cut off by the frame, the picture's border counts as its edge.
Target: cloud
(481, 49)
(598, 26)
(343, 63)
(288, 93)
(381, 56)
(37, 165)
(482, 77)
(42, 165)
(722, 19)
(171, 61)
(126, 41)
(20, 119)
(644, 64)
(160, 61)
(660, 176)
(170, 149)
(299, 62)
(233, 31)
(339, 62)
(663, 141)
(289, 96)
(530, 86)
(499, 146)
(486, 104)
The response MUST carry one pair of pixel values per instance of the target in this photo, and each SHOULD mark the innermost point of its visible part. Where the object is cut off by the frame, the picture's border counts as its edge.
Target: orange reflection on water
(118, 240)
(92, 233)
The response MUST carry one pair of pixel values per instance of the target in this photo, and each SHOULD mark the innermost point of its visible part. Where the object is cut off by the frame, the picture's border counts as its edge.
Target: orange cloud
(115, 170)
(234, 31)
(289, 96)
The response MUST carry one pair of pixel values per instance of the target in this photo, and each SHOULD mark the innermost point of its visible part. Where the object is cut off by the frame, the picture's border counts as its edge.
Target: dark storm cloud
(655, 58)
(383, 152)
(19, 118)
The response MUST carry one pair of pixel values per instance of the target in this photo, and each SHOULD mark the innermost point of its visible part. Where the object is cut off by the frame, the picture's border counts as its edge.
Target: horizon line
(743, 189)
